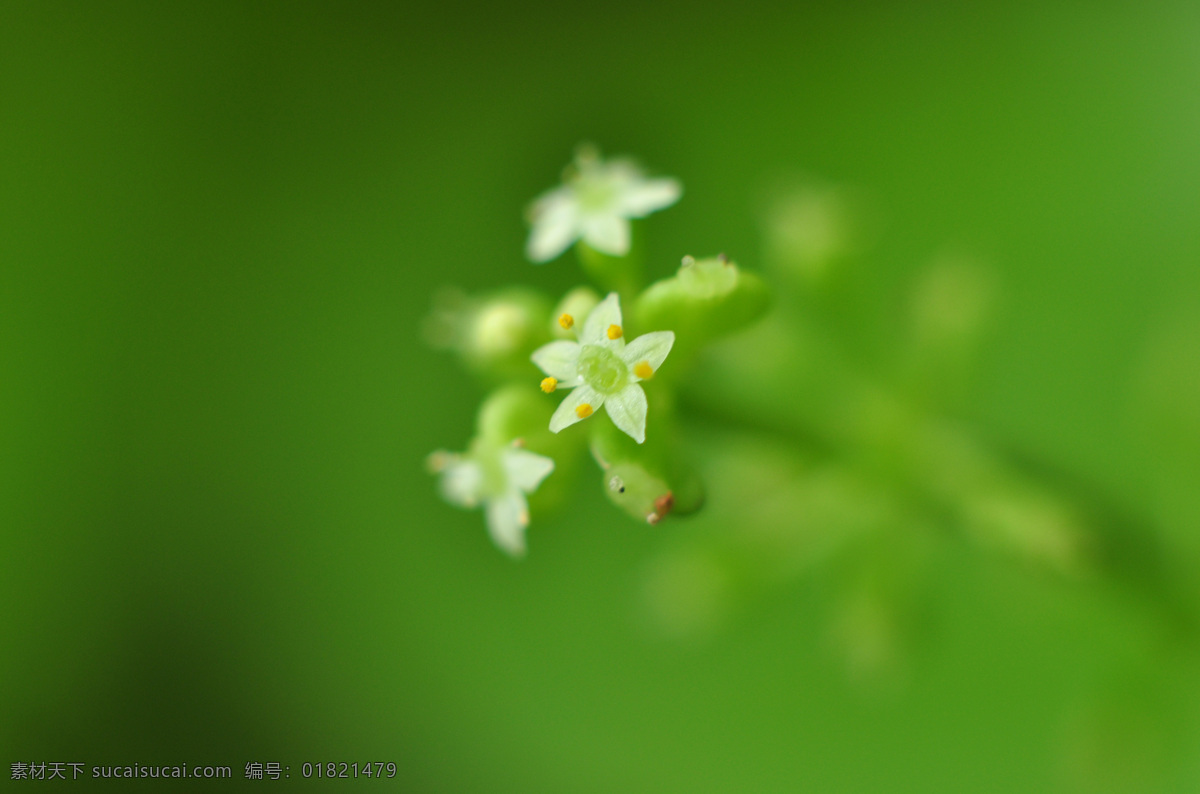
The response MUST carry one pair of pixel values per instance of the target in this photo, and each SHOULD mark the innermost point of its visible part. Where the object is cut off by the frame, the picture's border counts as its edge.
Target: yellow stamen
(566, 321)
(643, 370)
(615, 332)
(583, 410)
(549, 384)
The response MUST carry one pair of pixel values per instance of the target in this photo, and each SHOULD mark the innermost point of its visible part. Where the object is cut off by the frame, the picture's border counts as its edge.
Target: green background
(221, 225)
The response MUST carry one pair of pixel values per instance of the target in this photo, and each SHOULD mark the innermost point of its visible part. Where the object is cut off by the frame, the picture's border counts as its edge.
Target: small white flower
(498, 477)
(603, 370)
(595, 204)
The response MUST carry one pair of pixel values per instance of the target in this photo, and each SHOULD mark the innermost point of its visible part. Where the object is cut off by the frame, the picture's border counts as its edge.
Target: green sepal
(705, 300)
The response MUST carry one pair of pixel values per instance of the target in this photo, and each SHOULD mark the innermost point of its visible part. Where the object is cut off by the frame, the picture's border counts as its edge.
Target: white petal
(621, 176)
(558, 359)
(651, 348)
(595, 328)
(565, 416)
(628, 411)
(645, 196)
(462, 481)
(507, 517)
(608, 233)
(622, 172)
(525, 469)
(555, 225)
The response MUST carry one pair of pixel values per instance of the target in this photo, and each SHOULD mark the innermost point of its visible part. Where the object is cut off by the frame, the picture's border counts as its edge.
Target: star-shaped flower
(603, 370)
(498, 477)
(595, 203)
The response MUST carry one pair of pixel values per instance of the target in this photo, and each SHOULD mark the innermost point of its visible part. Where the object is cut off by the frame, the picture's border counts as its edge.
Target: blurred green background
(222, 223)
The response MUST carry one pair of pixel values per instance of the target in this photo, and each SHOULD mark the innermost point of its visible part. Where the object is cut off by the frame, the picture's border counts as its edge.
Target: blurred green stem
(797, 385)
(624, 275)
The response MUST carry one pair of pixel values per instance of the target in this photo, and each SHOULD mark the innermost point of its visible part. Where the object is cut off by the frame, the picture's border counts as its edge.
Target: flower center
(602, 369)
(595, 195)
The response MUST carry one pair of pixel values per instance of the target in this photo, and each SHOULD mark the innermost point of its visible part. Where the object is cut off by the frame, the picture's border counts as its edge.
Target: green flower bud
(631, 487)
(811, 231)
(950, 303)
(649, 481)
(494, 334)
(1033, 524)
(705, 300)
(949, 310)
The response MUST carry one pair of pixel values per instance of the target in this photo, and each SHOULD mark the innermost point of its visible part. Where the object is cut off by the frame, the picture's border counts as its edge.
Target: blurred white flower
(595, 204)
(496, 477)
(603, 370)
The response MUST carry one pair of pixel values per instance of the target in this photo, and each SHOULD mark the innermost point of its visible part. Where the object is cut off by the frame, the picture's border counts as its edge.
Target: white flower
(498, 477)
(603, 370)
(596, 204)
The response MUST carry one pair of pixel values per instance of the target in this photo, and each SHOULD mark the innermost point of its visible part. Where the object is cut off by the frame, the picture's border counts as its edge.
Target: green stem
(624, 275)
(805, 392)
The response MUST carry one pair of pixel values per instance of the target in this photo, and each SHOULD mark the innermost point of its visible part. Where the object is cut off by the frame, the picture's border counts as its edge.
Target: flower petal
(566, 416)
(622, 172)
(595, 328)
(507, 517)
(555, 225)
(525, 469)
(627, 408)
(462, 482)
(607, 233)
(558, 359)
(651, 348)
(645, 196)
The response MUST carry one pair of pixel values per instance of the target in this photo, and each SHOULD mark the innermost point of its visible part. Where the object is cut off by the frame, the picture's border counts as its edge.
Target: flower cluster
(582, 347)
(822, 460)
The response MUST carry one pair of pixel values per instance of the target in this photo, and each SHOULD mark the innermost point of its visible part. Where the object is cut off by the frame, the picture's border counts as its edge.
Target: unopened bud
(703, 301)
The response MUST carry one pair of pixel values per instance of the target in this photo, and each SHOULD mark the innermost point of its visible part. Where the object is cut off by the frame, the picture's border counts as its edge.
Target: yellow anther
(643, 370)
(566, 321)
(615, 332)
(583, 411)
(549, 385)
